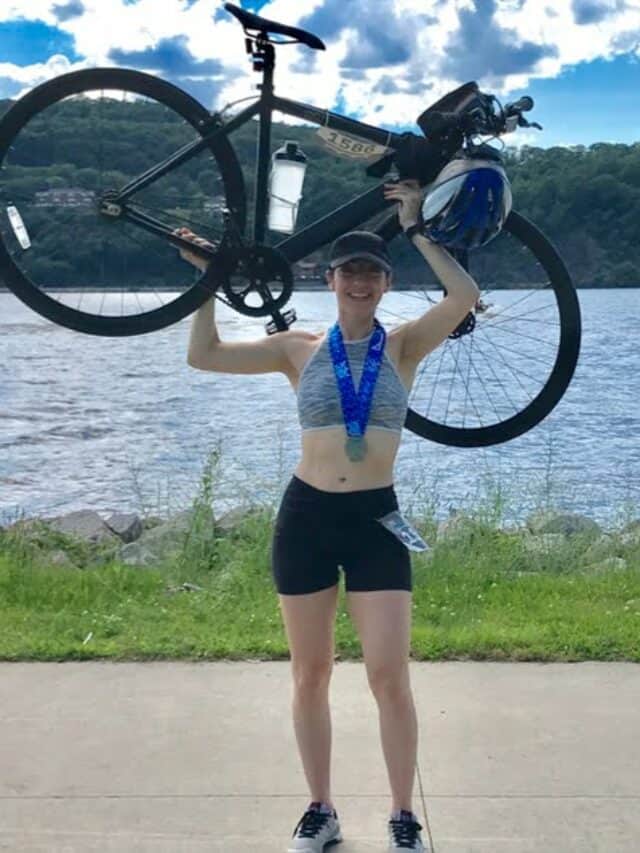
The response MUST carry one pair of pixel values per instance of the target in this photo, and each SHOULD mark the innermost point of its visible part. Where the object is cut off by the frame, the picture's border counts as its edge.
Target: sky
(385, 60)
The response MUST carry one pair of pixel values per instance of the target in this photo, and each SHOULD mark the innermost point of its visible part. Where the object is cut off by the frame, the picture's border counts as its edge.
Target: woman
(342, 485)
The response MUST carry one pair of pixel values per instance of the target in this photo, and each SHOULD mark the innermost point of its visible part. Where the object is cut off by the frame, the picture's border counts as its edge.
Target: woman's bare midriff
(324, 463)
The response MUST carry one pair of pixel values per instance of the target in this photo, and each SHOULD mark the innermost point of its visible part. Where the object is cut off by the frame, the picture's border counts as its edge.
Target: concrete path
(175, 757)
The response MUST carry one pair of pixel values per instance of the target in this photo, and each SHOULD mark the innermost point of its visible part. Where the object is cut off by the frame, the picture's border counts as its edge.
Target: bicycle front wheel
(81, 137)
(504, 369)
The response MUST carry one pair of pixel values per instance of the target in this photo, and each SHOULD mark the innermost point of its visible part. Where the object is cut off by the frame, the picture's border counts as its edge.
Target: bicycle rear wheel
(66, 144)
(501, 373)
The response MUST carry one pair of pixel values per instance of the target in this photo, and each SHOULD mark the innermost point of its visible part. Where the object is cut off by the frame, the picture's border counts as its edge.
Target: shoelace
(405, 832)
(310, 822)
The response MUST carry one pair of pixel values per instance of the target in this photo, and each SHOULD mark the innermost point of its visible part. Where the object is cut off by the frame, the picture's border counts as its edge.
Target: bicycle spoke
(519, 353)
(549, 307)
(456, 356)
(51, 226)
(484, 386)
(435, 382)
(518, 317)
(520, 335)
(518, 301)
(496, 377)
(203, 229)
(468, 388)
(468, 395)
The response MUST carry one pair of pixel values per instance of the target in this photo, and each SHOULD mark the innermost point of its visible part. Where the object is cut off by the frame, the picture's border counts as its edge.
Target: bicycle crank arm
(281, 321)
(155, 226)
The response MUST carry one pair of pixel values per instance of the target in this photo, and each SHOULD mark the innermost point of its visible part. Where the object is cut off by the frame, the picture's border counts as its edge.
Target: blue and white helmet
(467, 204)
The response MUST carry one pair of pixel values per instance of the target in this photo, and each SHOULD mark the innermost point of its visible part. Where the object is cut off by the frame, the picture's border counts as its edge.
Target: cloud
(594, 11)
(16, 80)
(627, 42)
(378, 36)
(203, 90)
(203, 79)
(483, 50)
(65, 11)
(169, 56)
(386, 85)
(386, 60)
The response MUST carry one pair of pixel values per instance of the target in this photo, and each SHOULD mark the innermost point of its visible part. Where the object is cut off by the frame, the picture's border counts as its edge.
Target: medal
(356, 407)
(356, 448)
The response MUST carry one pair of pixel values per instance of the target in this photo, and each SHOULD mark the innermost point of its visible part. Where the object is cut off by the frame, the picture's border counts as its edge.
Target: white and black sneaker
(317, 827)
(404, 832)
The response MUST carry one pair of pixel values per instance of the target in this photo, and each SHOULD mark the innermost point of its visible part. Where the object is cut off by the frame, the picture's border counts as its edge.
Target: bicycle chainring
(465, 327)
(257, 280)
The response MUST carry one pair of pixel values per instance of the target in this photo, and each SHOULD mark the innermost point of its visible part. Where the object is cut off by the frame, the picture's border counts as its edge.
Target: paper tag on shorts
(404, 531)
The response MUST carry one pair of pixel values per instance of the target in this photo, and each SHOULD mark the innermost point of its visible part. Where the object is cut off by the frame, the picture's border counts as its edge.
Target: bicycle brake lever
(522, 122)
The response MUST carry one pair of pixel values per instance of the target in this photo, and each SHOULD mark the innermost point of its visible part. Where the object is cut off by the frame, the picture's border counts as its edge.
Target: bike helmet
(467, 204)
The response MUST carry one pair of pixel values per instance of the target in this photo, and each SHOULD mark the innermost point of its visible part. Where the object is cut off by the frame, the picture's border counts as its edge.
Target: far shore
(320, 284)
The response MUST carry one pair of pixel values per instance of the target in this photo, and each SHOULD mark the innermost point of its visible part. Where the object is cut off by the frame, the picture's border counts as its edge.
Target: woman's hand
(196, 260)
(409, 193)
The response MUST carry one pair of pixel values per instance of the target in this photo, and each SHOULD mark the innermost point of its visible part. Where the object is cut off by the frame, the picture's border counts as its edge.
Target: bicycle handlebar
(482, 119)
(522, 105)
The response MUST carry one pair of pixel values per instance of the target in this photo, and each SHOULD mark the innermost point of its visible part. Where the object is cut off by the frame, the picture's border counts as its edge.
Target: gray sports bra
(319, 404)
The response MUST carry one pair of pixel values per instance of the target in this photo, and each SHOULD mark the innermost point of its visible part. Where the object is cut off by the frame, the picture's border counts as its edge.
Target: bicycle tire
(531, 237)
(187, 108)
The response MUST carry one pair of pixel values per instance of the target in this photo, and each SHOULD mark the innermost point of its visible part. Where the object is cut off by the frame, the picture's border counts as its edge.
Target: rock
(457, 526)
(83, 524)
(632, 539)
(601, 548)
(125, 525)
(611, 564)
(233, 518)
(545, 542)
(163, 541)
(630, 535)
(185, 587)
(59, 558)
(567, 523)
(135, 554)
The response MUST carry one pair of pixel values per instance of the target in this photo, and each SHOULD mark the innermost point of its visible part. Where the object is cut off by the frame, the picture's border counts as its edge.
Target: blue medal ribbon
(356, 406)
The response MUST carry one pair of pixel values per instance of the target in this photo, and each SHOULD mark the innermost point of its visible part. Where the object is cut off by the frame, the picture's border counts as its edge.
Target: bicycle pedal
(288, 317)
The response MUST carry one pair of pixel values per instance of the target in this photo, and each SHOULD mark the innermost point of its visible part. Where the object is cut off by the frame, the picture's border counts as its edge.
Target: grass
(480, 594)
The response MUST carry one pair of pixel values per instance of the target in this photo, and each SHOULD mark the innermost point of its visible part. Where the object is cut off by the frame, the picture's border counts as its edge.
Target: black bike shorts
(315, 531)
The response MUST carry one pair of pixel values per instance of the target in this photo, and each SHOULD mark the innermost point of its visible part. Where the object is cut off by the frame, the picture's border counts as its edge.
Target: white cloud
(554, 24)
(111, 24)
(33, 75)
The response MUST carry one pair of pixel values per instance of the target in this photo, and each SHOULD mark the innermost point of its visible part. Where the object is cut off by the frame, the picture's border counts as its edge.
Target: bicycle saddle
(255, 22)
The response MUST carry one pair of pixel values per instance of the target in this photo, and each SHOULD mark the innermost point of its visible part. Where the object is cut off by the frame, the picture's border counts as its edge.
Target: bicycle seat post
(264, 60)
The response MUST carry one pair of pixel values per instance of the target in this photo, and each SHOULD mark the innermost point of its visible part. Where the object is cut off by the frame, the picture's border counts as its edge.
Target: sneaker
(317, 827)
(404, 832)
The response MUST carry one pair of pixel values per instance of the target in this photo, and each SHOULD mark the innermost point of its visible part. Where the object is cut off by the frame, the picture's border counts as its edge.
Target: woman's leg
(383, 622)
(309, 623)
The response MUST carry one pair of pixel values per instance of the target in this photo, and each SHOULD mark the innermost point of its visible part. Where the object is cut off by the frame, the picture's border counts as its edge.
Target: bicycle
(130, 201)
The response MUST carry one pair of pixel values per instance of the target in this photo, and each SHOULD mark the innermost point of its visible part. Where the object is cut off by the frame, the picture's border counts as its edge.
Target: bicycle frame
(317, 234)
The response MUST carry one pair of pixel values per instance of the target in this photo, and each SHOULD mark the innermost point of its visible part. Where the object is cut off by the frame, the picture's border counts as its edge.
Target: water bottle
(288, 166)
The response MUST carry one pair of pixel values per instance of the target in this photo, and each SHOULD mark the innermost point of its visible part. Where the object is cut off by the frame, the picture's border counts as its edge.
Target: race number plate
(350, 146)
(404, 531)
